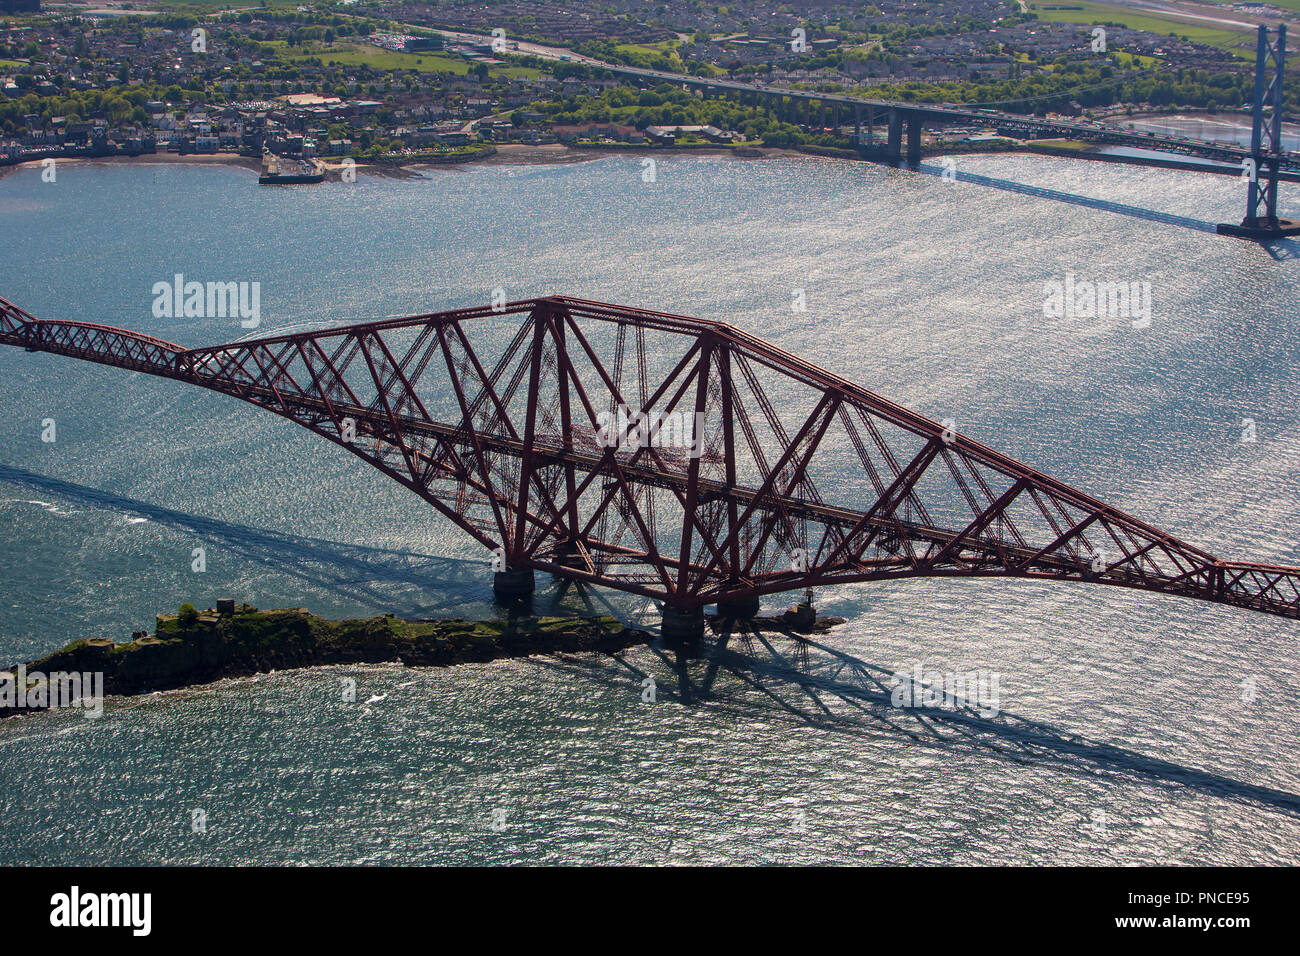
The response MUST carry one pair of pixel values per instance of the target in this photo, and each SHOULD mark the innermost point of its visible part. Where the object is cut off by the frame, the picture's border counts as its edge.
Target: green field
(1128, 59)
(1073, 144)
(650, 49)
(203, 7)
(1087, 12)
(363, 54)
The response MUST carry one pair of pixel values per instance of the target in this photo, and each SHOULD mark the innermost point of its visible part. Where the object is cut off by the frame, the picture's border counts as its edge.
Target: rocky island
(198, 647)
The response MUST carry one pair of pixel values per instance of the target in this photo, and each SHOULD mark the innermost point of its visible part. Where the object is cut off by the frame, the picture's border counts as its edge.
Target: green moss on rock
(252, 641)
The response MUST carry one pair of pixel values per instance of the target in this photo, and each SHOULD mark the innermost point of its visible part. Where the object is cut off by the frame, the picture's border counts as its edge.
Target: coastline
(560, 154)
(146, 159)
(242, 641)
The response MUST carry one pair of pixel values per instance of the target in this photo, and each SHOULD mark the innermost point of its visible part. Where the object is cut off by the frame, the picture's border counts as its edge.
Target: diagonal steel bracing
(673, 457)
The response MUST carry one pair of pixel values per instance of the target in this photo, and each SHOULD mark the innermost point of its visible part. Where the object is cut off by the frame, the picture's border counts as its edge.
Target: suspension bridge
(1263, 163)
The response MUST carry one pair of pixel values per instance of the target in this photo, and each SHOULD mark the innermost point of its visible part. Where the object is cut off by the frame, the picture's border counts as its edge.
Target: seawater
(1123, 734)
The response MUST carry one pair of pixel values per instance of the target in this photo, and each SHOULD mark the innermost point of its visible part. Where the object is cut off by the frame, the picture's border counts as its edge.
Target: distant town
(400, 82)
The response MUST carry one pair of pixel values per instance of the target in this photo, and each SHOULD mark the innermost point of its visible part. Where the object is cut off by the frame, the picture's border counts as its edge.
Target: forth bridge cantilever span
(507, 421)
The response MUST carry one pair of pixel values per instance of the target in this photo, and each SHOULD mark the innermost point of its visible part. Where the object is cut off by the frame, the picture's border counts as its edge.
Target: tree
(187, 616)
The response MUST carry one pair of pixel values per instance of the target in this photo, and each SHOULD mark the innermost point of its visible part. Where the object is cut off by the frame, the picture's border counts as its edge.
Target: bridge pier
(1249, 585)
(569, 554)
(513, 583)
(895, 147)
(914, 140)
(741, 609)
(682, 625)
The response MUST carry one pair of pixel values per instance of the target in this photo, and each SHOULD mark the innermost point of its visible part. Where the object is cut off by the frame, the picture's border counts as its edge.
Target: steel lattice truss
(737, 470)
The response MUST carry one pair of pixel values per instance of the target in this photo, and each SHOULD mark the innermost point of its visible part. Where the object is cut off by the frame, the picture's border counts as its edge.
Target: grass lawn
(650, 49)
(1239, 42)
(1128, 59)
(363, 54)
(199, 7)
(1063, 143)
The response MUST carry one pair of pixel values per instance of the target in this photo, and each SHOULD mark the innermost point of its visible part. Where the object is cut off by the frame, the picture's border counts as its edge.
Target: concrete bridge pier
(682, 625)
(914, 140)
(741, 609)
(569, 554)
(513, 583)
(895, 147)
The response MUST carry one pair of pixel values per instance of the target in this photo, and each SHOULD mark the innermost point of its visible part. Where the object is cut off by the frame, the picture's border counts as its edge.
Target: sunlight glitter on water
(1123, 735)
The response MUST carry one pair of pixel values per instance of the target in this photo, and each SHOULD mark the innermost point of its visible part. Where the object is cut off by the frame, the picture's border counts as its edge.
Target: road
(1016, 123)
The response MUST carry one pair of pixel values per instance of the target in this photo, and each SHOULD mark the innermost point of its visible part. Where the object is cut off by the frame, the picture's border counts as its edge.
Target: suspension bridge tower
(1261, 222)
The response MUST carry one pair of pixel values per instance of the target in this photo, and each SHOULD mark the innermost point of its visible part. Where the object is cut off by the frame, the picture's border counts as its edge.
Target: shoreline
(144, 159)
(559, 154)
(240, 642)
(244, 642)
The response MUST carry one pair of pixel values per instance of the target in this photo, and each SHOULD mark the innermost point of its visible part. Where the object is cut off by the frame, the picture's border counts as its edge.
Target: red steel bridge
(671, 457)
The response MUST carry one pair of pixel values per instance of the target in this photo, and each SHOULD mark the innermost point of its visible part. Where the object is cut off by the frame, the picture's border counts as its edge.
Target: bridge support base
(1262, 230)
(741, 609)
(914, 142)
(682, 625)
(894, 144)
(570, 555)
(802, 616)
(515, 583)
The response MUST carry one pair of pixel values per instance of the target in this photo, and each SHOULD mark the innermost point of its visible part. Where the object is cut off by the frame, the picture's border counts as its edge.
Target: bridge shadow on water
(805, 679)
(1056, 195)
(373, 577)
(813, 684)
(1283, 250)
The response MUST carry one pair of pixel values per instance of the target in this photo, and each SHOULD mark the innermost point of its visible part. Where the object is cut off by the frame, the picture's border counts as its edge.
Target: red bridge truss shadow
(671, 457)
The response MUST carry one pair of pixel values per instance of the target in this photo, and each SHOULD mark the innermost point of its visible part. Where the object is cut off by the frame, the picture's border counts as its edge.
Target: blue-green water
(1124, 735)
